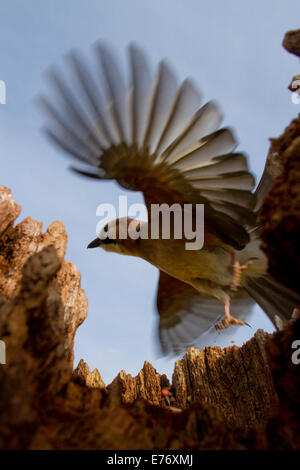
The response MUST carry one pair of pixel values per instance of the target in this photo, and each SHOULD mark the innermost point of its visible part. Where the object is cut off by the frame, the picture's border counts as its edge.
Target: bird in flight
(155, 136)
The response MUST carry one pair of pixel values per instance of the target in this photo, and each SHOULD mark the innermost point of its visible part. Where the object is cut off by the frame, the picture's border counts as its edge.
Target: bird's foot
(229, 320)
(237, 274)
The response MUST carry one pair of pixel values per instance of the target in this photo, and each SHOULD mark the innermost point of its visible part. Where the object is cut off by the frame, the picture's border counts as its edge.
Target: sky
(233, 52)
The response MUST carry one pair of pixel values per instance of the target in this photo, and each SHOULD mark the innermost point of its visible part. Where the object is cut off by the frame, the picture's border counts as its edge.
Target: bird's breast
(171, 256)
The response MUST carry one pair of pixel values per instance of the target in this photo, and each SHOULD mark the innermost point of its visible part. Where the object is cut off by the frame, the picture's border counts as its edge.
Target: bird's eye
(105, 228)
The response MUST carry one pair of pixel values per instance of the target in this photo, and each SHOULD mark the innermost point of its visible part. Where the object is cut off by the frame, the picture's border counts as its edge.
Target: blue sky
(233, 52)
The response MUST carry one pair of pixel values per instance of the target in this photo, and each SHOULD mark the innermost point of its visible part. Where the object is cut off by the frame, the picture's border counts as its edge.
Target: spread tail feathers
(273, 297)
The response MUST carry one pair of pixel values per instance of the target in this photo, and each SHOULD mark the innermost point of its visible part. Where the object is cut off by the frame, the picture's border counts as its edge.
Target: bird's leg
(209, 288)
(229, 319)
(237, 272)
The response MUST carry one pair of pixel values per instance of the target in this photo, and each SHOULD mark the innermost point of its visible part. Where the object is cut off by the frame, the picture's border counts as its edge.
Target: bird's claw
(229, 320)
(237, 274)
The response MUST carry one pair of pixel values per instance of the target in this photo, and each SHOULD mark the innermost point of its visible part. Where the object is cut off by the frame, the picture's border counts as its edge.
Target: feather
(204, 122)
(74, 113)
(140, 92)
(240, 180)
(115, 91)
(186, 103)
(240, 214)
(213, 145)
(94, 99)
(241, 197)
(161, 106)
(229, 163)
(273, 297)
(185, 314)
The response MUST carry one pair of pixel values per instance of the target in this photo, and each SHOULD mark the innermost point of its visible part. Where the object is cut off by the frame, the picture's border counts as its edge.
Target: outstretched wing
(152, 136)
(185, 314)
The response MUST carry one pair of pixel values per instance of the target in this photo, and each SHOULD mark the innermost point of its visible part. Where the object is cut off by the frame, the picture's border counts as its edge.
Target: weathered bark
(221, 398)
(280, 213)
(291, 42)
(236, 381)
(236, 398)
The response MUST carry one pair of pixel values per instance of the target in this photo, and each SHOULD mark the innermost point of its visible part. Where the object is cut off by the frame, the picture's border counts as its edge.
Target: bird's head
(120, 236)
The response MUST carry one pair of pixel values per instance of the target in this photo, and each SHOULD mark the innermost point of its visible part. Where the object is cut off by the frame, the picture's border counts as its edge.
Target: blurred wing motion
(155, 138)
(185, 314)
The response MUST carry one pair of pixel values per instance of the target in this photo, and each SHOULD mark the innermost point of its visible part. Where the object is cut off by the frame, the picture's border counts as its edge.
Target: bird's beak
(95, 243)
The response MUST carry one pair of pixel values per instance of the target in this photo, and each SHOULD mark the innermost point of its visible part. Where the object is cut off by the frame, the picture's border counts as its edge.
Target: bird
(154, 135)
